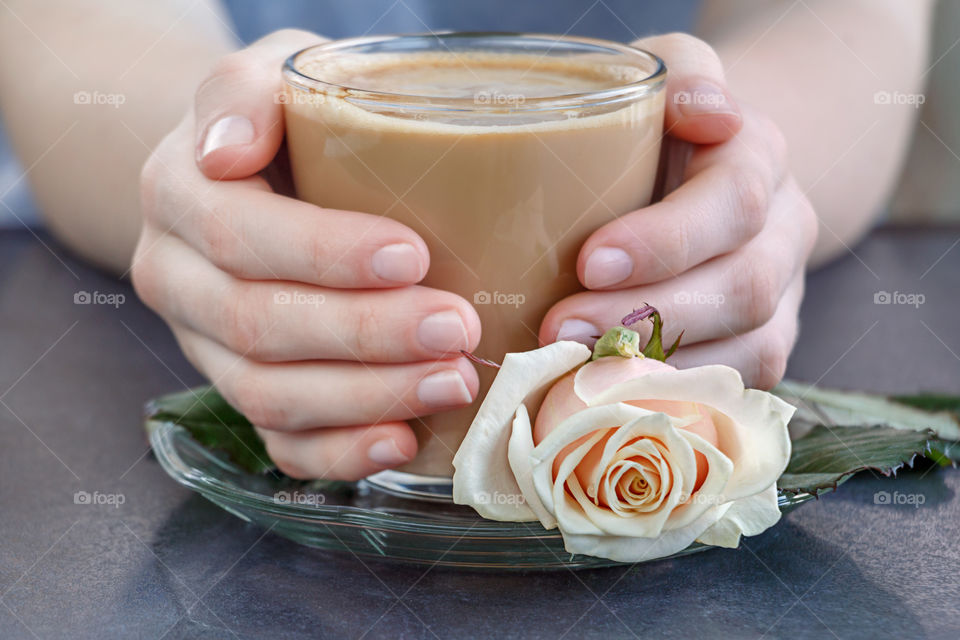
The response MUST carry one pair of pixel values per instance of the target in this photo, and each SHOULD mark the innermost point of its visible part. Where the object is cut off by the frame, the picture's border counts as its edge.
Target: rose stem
(479, 360)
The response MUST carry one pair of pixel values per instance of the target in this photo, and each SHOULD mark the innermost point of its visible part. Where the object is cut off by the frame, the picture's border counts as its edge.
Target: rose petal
(747, 516)
(595, 419)
(569, 507)
(518, 454)
(632, 549)
(685, 463)
(584, 517)
(710, 493)
(596, 377)
(481, 465)
(751, 424)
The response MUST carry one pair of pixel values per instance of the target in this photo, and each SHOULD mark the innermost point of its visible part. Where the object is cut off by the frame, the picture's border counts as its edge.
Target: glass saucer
(365, 520)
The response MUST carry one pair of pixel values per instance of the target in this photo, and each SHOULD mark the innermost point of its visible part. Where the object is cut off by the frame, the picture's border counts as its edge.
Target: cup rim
(648, 85)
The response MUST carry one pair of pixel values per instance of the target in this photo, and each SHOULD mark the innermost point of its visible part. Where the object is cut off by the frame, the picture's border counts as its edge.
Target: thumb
(239, 120)
(699, 107)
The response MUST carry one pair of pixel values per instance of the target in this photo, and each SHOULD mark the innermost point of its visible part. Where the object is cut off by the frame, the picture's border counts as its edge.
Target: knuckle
(145, 278)
(220, 242)
(674, 252)
(771, 364)
(153, 180)
(252, 397)
(242, 323)
(367, 341)
(758, 291)
(751, 200)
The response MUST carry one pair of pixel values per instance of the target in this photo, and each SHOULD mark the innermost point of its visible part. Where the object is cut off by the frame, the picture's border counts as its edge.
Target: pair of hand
(330, 385)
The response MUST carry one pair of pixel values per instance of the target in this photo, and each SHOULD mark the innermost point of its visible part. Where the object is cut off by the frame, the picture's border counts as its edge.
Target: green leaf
(946, 454)
(932, 402)
(213, 423)
(654, 348)
(839, 408)
(826, 457)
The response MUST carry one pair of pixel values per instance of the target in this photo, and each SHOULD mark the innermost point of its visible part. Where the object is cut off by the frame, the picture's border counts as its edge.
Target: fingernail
(444, 389)
(226, 132)
(386, 453)
(579, 331)
(398, 262)
(443, 331)
(607, 266)
(705, 98)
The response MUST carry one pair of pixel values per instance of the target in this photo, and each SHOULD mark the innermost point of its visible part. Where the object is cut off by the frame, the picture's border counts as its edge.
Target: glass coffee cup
(504, 152)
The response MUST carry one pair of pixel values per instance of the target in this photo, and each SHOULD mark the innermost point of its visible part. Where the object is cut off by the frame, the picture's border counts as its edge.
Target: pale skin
(209, 241)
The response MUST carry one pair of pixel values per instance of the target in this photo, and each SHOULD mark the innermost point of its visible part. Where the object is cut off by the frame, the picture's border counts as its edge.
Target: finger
(699, 108)
(294, 396)
(239, 119)
(341, 453)
(255, 234)
(722, 204)
(760, 355)
(245, 229)
(726, 296)
(280, 321)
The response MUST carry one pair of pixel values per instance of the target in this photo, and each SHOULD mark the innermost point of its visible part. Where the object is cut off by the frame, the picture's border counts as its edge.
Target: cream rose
(629, 457)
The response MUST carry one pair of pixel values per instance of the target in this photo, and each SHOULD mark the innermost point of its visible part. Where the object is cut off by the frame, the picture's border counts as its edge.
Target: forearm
(815, 69)
(86, 91)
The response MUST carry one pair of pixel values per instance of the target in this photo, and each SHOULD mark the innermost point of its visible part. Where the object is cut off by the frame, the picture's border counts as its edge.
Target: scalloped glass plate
(360, 518)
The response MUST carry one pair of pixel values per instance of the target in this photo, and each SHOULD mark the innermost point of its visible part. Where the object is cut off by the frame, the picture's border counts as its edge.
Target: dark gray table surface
(73, 379)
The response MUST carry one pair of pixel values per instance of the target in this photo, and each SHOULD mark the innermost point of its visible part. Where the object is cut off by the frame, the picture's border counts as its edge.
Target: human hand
(308, 320)
(722, 257)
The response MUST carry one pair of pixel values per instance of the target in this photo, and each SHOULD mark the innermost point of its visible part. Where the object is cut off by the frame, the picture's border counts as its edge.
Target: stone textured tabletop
(159, 560)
